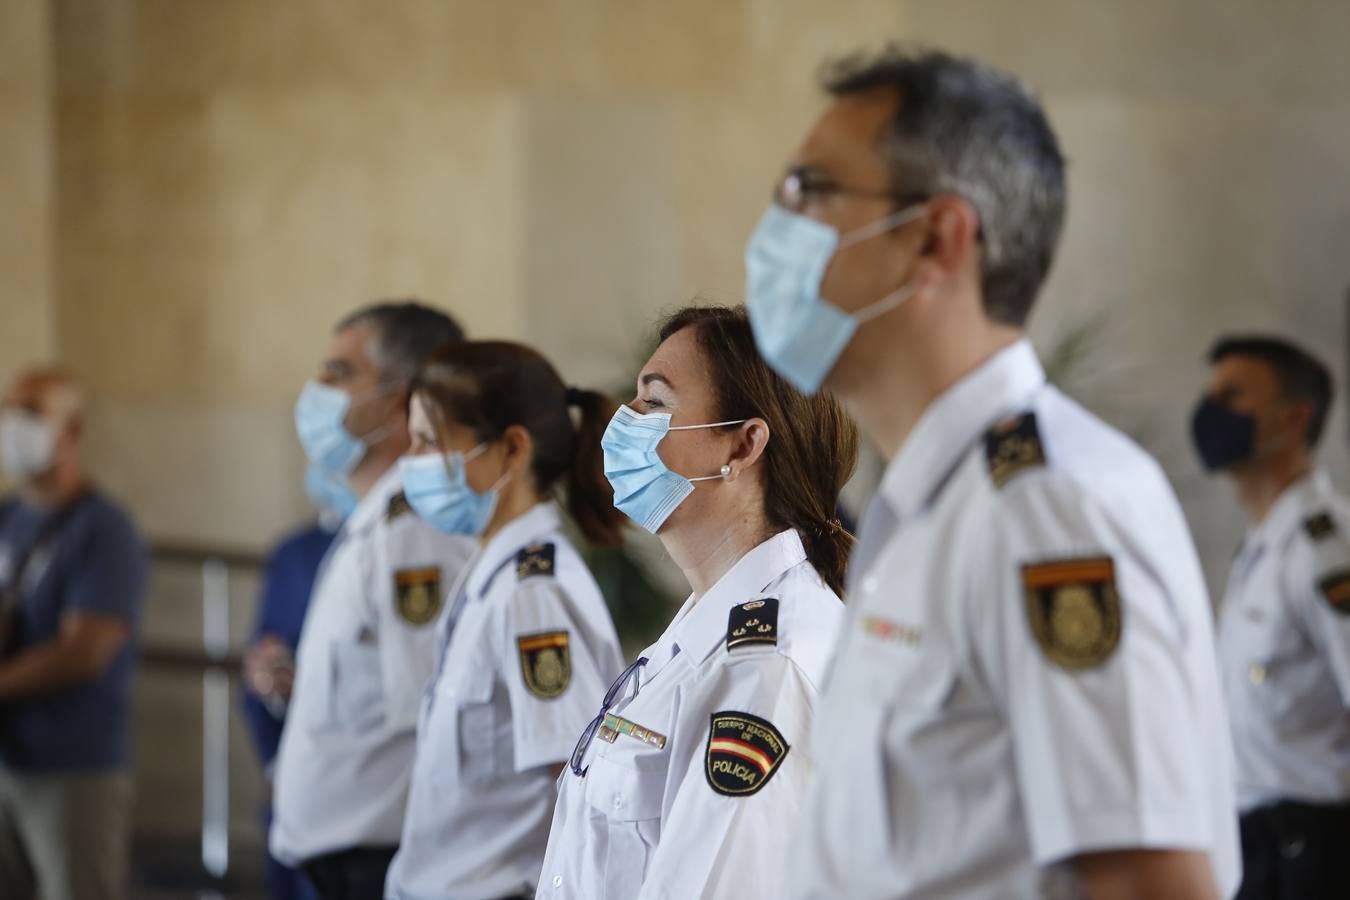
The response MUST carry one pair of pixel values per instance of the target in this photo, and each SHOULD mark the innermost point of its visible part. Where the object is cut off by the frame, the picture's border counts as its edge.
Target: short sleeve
(727, 831)
(110, 577)
(1316, 579)
(1088, 655)
(557, 667)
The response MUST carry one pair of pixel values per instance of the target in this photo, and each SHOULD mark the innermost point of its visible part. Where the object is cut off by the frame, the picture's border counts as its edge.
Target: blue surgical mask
(330, 493)
(798, 332)
(320, 412)
(644, 489)
(437, 488)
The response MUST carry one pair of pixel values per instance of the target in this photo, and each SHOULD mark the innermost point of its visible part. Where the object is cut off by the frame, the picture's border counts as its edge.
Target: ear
(953, 238)
(518, 448)
(751, 439)
(1299, 418)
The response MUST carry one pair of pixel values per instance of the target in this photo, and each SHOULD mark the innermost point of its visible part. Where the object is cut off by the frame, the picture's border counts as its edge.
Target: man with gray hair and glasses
(368, 645)
(1025, 700)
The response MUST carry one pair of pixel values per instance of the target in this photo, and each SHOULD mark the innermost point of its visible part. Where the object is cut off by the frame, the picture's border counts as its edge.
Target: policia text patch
(743, 753)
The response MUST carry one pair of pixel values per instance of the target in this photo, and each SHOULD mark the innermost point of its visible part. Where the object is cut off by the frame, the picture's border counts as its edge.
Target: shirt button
(1257, 674)
(557, 881)
(618, 801)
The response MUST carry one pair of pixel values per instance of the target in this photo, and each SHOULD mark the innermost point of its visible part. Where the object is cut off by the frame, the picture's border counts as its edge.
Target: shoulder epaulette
(752, 623)
(398, 505)
(536, 559)
(1012, 446)
(1320, 526)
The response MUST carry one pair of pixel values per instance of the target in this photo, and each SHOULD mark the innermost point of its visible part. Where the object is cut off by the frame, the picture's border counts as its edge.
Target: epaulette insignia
(1012, 446)
(417, 594)
(743, 753)
(398, 505)
(1074, 610)
(1336, 588)
(755, 622)
(536, 559)
(1320, 526)
(545, 663)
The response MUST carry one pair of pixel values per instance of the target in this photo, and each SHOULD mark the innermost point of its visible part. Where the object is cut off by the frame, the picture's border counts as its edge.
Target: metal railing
(217, 662)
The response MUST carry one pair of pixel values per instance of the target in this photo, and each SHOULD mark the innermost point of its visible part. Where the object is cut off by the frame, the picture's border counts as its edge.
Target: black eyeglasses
(803, 186)
(588, 734)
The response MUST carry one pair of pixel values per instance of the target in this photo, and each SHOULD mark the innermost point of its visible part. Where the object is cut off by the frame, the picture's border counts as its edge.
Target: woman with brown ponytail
(527, 646)
(690, 779)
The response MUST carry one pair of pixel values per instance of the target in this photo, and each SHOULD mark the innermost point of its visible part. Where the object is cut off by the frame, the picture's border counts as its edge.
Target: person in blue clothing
(72, 581)
(269, 665)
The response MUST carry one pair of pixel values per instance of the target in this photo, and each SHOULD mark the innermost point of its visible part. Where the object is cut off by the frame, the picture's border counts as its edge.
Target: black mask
(1222, 436)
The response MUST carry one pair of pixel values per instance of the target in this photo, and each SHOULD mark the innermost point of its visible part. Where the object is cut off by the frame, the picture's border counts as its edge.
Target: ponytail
(590, 499)
(827, 546)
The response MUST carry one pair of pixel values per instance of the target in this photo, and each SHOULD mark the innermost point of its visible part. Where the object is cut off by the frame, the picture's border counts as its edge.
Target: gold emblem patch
(1012, 446)
(398, 505)
(417, 594)
(536, 559)
(1336, 588)
(1074, 610)
(545, 663)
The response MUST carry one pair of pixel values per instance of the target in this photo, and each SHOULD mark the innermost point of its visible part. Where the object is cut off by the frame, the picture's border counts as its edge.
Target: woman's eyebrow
(656, 376)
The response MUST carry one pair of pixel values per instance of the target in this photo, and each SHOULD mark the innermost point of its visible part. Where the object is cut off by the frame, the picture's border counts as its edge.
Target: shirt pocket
(628, 801)
(476, 724)
(355, 692)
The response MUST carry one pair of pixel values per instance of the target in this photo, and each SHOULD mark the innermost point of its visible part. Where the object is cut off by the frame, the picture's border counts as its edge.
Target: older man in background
(369, 640)
(72, 578)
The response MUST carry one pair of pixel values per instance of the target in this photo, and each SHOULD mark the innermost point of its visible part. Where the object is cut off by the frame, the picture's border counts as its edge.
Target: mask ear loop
(725, 472)
(469, 457)
(379, 432)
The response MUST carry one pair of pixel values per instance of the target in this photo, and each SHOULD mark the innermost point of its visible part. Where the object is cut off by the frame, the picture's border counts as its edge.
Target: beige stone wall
(27, 293)
(231, 176)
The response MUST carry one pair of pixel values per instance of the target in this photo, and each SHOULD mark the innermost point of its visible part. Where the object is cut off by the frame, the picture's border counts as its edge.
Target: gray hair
(406, 332)
(968, 129)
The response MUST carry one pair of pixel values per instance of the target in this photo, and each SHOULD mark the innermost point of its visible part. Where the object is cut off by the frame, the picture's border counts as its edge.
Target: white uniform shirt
(1284, 641)
(529, 650)
(366, 651)
(690, 791)
(1027, 671)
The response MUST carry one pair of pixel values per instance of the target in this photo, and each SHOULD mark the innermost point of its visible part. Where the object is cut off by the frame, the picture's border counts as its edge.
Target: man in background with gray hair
(369, 639)
(72, 580)
(1025, 700)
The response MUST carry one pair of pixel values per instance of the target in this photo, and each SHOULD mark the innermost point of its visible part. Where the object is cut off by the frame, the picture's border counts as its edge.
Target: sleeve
(110, 579)
(741, 788)
(1087, 653)
(1316, 579)
(418, 570)
(557, 667)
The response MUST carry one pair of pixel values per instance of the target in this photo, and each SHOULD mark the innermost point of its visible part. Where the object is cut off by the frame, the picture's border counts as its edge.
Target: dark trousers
(1296, 851)
(356, 874)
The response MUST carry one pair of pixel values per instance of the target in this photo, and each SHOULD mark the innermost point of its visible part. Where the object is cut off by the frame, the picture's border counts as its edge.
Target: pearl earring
(726, 471)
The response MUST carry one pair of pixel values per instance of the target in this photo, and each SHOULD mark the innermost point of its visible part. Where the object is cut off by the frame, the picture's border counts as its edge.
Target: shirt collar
(536, 523)
(701, 624)
(1002, 386)
(375, 503)
(1294, 505)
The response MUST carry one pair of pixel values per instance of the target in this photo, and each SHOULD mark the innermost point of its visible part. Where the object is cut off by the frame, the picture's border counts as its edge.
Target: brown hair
(813, 444)
(491, 385)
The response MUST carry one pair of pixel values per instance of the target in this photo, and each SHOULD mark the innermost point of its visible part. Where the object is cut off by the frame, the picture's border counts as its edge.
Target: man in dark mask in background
(1284, 632)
